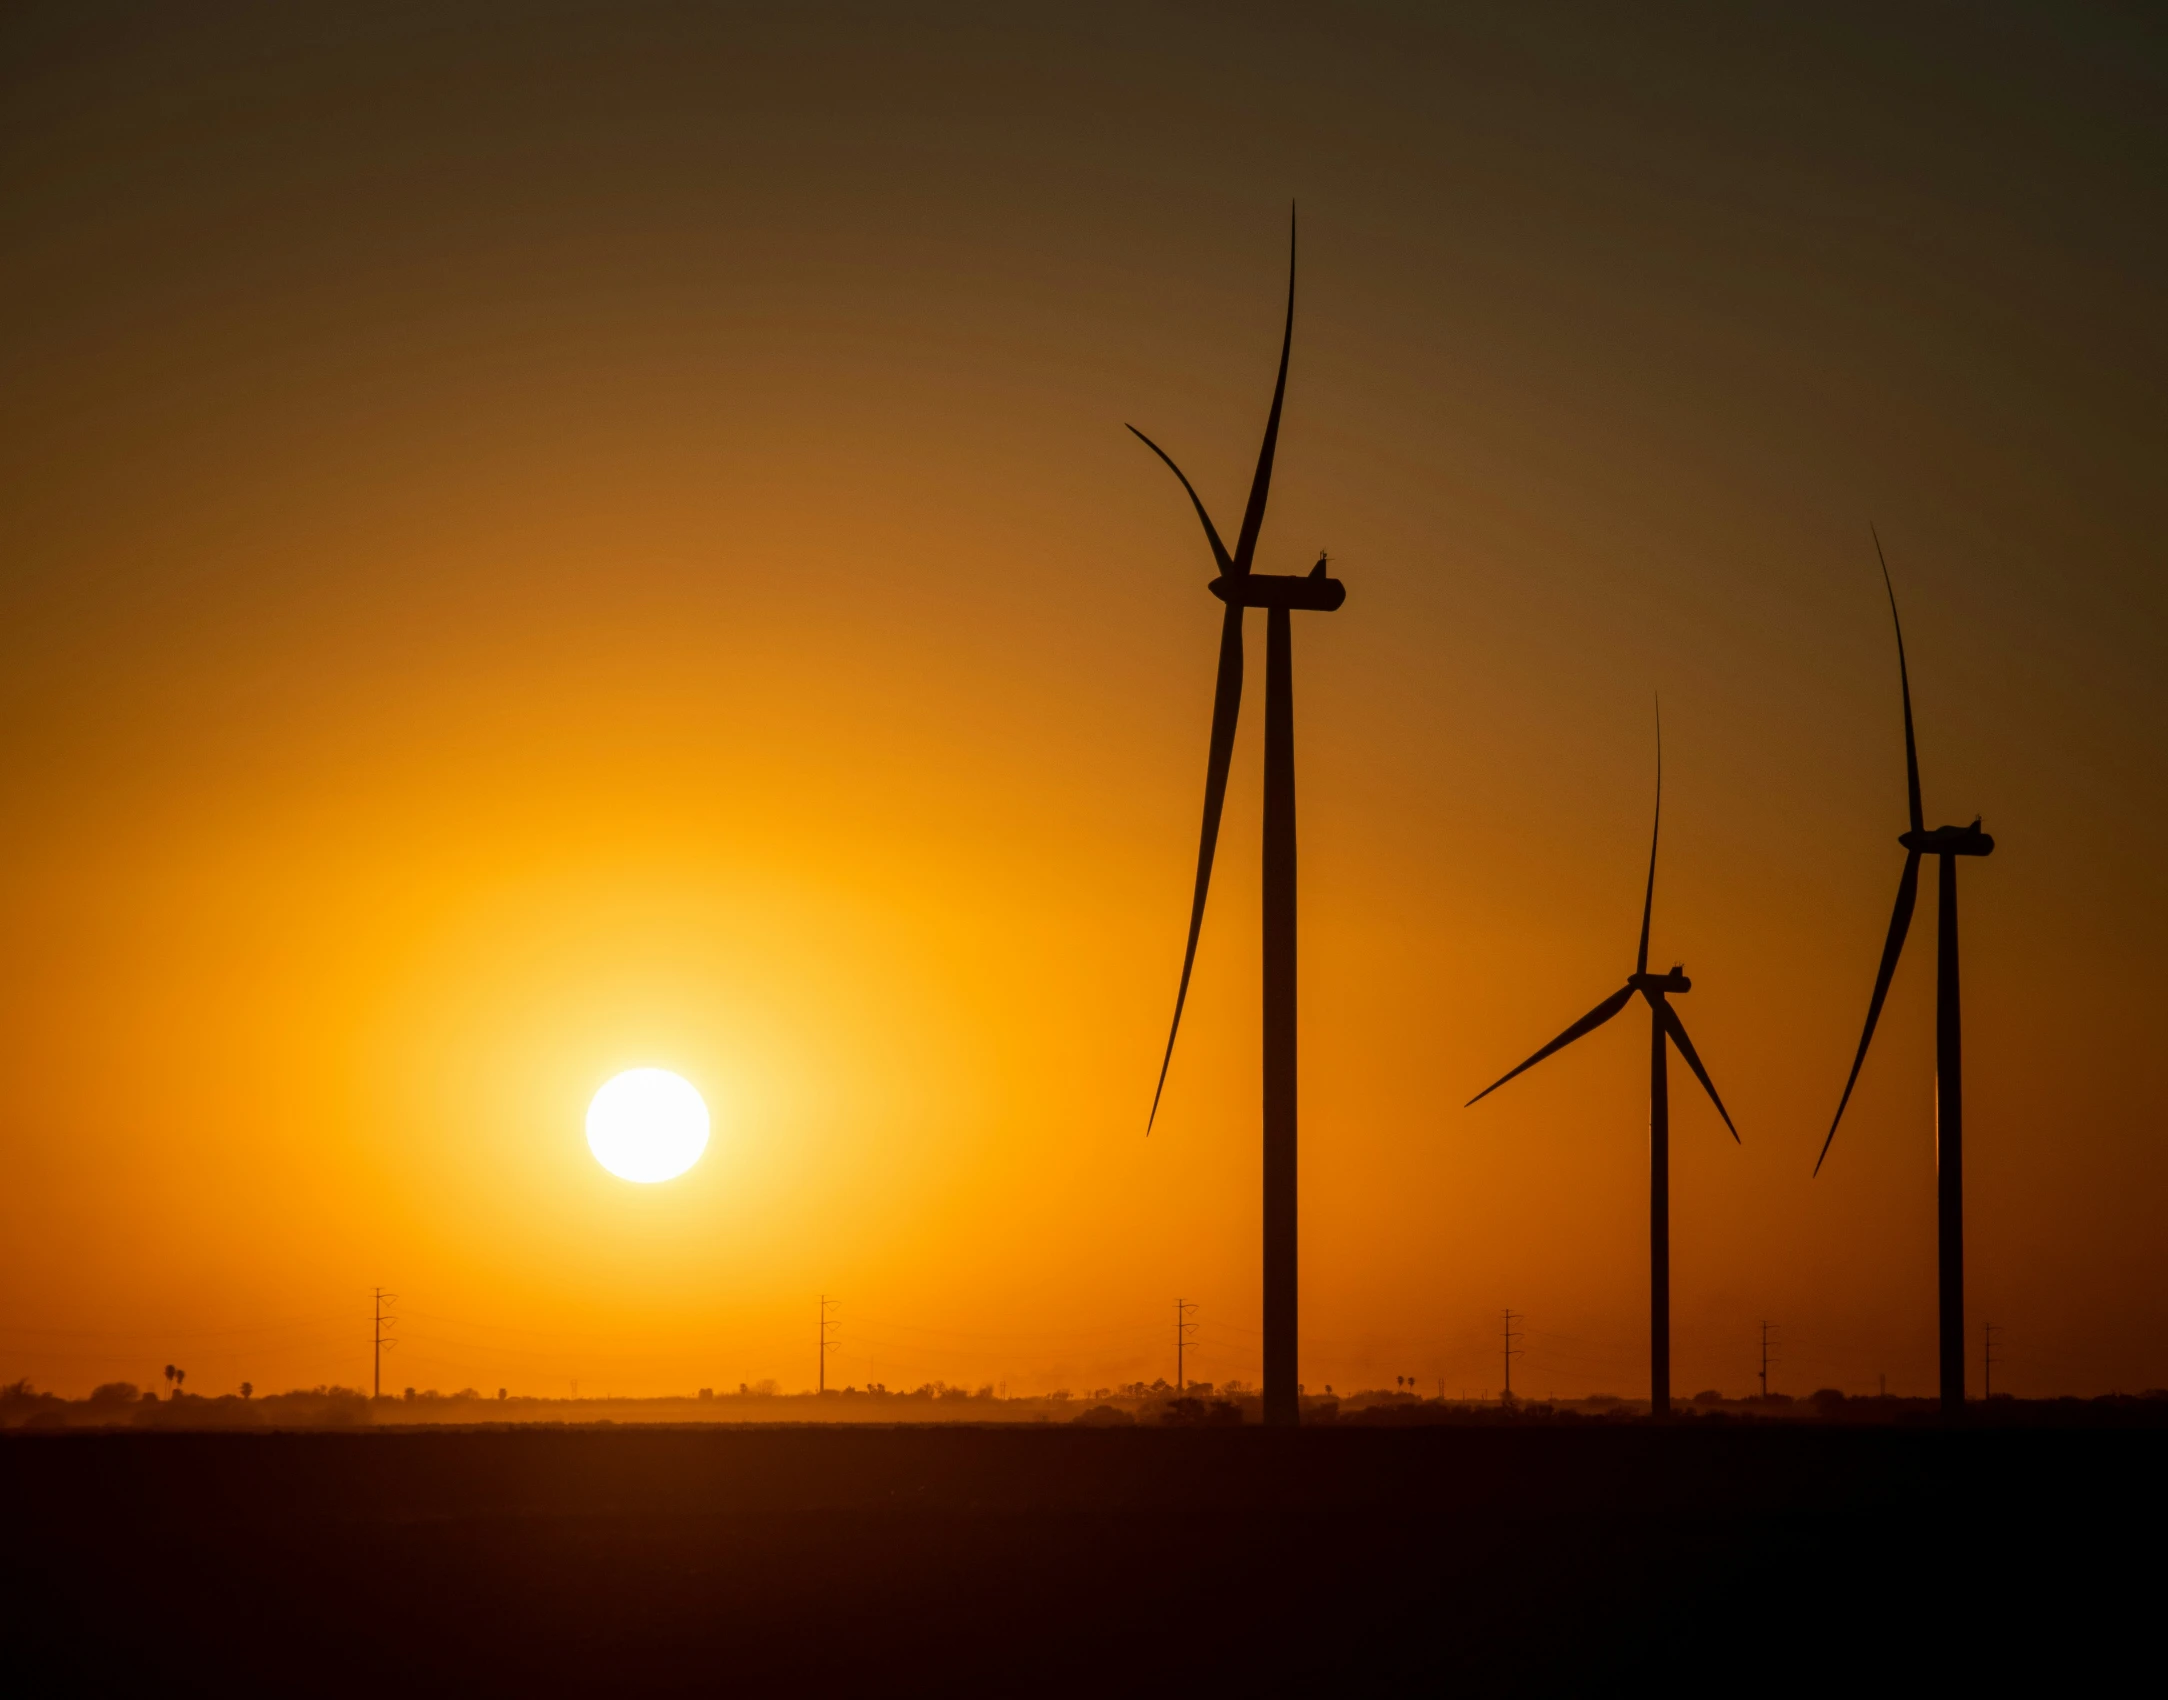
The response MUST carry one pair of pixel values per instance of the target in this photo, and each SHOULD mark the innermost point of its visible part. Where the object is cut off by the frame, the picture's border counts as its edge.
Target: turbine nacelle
(1949, 841)
(1280, 590)
(1658, 985)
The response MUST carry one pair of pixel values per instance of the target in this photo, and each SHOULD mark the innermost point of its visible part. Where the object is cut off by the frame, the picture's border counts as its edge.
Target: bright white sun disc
(647, 1125)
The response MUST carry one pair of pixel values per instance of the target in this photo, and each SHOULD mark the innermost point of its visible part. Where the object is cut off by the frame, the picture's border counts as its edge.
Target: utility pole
(828, 1343)
(379, 1340)
(1989, 1330)
(1512, 1352)
(1184, 1329)
(1766, 1359)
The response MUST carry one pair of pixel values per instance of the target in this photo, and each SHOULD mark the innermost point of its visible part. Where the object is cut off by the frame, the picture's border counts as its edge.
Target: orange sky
(590, 536)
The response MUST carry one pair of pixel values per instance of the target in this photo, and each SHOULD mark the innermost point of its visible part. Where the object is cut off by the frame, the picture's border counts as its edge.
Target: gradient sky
(548, 538)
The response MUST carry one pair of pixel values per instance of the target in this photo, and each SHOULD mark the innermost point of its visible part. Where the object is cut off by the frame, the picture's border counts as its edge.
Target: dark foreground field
(1032, 1560)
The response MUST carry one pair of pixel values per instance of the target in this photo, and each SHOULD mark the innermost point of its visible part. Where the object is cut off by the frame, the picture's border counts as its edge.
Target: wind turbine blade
(1219, 549)
(1912, 753)
(1908, 891)
(1253, 517)
(1677, 1029)
(1226, 706)
(1648, 900)
(1588, 1023)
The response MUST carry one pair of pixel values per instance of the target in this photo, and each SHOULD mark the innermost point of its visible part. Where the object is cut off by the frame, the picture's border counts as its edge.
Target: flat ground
(965, 1560)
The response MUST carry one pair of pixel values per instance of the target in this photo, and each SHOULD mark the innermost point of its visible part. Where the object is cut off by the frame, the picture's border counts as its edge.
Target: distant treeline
(1137, 1404)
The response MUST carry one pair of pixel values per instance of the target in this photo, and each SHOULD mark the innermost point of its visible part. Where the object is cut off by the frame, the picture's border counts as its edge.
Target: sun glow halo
(647, 1124)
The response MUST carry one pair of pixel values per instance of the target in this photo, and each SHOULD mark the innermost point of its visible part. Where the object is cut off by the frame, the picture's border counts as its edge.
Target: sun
(647, 1124)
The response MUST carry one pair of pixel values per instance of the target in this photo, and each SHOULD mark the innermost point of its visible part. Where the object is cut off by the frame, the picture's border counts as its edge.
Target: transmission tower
(1512, 1351)
(828, 1341)
(1184, 1332)
(1767, 1356)
(379, 1340)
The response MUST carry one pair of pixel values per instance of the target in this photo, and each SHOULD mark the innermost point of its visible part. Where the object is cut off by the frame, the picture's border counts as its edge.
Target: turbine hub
(1658, 984)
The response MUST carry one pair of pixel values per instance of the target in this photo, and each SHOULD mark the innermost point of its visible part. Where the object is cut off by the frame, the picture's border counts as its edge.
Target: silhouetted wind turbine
(1239, 588)
(1946, 843)
(1664, 1027)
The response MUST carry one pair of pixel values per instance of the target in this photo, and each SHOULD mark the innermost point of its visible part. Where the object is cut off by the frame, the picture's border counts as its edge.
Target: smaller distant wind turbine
(1665, 1029)
(1946, 844)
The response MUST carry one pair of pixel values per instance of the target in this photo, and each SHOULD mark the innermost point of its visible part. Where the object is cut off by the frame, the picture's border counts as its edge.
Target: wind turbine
(1946, 844)
(1665, 1028)
(1280, 594)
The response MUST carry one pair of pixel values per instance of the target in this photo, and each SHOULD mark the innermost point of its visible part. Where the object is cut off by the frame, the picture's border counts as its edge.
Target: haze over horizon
(553, 539)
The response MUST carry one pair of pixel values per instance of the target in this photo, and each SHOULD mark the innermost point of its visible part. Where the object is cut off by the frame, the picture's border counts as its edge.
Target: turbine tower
(1280, 595)
(1946, 844)
(1665, 1029)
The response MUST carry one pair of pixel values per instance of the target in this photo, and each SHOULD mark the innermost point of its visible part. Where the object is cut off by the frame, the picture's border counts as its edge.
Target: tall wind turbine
(1946, 844)
(1280, 594)
(1665, 1029)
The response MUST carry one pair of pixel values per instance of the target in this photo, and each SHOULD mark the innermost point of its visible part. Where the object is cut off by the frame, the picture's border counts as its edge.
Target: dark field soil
(1065, 1560)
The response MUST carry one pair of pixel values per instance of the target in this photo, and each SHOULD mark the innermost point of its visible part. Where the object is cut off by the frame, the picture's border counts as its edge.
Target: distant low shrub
(1105, 1416)
(23, 1403)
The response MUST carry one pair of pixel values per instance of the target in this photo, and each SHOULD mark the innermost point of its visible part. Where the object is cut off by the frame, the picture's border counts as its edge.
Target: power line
(1027, 1336)
(163, 1331)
